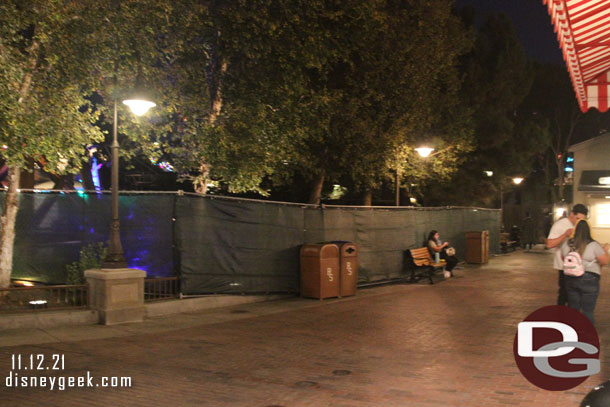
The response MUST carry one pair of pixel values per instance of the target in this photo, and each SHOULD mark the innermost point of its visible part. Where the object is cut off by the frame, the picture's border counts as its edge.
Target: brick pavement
(449, 344)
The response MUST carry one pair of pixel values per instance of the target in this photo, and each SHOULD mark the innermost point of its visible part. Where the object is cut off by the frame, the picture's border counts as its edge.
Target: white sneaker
(447, 274)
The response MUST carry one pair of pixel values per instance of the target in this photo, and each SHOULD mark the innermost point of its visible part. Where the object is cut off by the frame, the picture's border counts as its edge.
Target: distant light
(413, 200)
(424, 151)
(489, 173)
(569, 159)
(604, 181)
(4, 146)
(38, 302)
(139, 107)
(165, 166)
(559, 212)
(568, 169)
(24, 283)
(607, 197)
(517, 180)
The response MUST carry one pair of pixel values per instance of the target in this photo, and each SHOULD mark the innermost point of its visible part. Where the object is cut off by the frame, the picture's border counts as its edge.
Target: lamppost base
(117, 294)
(114, 262)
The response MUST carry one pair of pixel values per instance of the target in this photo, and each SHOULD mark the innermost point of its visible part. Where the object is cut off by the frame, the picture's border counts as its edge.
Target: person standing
(560, 231)
(582, 291)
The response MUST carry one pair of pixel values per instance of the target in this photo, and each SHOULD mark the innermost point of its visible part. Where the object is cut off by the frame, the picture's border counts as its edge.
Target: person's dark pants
(452, 261)
(562, 297)
(582, 293)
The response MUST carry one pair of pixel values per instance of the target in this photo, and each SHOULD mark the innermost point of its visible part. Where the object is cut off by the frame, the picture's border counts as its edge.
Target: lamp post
(115, 258)
(423, 152)
(515, 180)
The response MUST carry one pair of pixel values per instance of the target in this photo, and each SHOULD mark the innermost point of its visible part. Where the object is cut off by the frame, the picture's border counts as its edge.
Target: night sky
(531, 21)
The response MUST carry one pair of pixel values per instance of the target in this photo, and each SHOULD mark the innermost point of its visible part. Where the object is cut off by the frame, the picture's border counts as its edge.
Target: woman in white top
(583, 291)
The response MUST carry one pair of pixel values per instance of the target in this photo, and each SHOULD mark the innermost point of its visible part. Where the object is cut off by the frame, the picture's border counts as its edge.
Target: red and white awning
(583, 31)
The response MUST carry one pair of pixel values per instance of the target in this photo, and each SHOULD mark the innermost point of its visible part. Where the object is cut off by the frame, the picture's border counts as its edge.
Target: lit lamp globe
(139, 107)
(517, 180)
(424, 151)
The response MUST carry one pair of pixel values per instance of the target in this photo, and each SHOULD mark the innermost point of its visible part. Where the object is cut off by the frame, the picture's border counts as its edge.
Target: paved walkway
(449, 344)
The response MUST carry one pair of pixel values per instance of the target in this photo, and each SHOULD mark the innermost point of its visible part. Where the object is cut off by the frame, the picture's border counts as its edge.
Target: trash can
(477, 247)
(320, 270)
(348, 261)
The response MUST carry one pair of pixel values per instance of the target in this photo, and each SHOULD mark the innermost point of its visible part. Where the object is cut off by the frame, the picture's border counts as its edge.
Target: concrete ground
(448, 344)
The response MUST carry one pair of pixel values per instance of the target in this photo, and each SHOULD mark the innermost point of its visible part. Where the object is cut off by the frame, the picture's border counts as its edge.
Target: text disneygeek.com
(24, 368)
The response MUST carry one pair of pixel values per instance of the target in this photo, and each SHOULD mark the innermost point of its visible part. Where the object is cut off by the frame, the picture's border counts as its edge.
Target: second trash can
(348, 260)
(320, 270)
(477, 247)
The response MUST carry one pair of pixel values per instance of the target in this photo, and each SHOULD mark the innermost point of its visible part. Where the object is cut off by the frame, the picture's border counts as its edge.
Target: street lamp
(515, 180)
(115, 258)
(423, 152)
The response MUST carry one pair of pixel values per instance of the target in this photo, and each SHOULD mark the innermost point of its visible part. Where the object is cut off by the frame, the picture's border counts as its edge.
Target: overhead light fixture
(517, 180)
(139, 107)
(489, 173)
(424, 151)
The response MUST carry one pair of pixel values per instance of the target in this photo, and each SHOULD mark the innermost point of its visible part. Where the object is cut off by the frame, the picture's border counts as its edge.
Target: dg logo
(556, 348)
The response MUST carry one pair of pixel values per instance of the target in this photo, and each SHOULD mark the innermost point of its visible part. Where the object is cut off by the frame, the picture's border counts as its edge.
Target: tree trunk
(26, 178)
(11, 203)
(316, 190)
(85, 174)
(560, 179)
(201, 186)
(367, 198)
(7, 236)
(217, 71)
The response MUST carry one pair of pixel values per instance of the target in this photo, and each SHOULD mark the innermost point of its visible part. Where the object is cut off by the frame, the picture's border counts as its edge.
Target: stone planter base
(117, 294)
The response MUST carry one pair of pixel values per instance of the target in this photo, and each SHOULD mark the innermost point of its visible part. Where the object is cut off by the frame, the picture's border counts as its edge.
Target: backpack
(573, 264)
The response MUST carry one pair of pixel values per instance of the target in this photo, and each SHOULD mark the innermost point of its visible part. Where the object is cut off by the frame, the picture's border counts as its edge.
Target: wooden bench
(506, 243)
(419, 262)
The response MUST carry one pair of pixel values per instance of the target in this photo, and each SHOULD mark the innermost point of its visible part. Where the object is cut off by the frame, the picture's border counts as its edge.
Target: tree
(54, 57)
(498, 78)
(44, 78)
(553, 107)
(320, 89)
(403, 90)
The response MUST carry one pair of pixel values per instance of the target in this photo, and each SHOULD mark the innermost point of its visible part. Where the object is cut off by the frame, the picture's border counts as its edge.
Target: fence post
(117, 294)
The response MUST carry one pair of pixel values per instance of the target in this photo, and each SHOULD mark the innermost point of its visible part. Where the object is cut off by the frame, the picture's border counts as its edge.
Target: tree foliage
(498, 78)
(321, 89)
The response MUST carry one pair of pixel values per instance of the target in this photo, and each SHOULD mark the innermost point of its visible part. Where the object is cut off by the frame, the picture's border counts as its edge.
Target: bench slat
(421, 256)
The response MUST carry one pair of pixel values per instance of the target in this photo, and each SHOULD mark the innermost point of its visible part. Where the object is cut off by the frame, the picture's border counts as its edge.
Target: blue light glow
(95, 167)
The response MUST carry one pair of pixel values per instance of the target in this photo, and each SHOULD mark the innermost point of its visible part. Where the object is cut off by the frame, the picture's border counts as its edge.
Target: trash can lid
(321, 250)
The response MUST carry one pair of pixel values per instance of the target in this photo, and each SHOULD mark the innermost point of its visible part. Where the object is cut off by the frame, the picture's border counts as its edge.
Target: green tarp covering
(228, 245)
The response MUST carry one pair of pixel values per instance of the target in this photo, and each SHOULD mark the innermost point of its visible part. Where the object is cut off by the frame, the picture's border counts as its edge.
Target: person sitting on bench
(435, 246)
